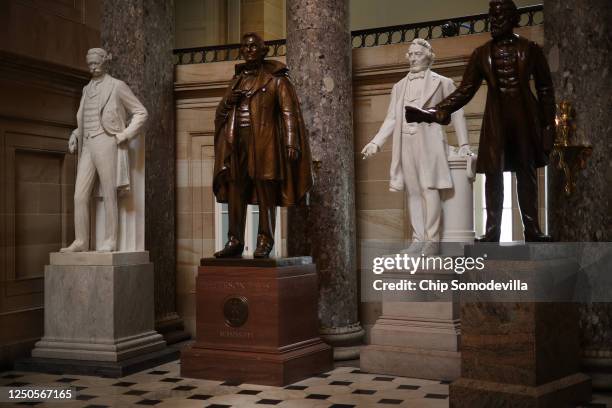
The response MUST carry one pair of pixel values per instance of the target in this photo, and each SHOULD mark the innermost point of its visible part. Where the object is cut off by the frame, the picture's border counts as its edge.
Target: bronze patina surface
(262, 155)
(518, 130)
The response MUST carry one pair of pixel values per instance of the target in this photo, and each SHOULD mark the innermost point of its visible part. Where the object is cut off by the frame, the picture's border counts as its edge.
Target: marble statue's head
(97, 59)
(420, 55)
(504, 17)
(252, 48)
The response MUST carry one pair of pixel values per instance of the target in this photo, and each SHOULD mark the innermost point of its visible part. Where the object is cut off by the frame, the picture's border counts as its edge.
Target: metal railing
(530, 16)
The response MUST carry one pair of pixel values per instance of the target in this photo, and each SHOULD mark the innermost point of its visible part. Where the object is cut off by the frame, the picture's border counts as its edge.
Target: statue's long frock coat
(276, 123)
(497, 151)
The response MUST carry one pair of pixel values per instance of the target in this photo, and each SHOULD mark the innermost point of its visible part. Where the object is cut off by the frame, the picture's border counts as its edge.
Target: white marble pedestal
(458, 206)
(98, 306)
(415, 336)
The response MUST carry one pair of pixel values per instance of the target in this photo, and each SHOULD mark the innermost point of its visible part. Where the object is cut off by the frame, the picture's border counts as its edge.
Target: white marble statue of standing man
(109, 115)
(419, 162)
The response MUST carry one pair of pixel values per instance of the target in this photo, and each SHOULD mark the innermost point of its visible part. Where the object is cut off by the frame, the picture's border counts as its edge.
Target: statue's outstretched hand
(417, 115)
(72, 142)
(431, 115)
(369, 150)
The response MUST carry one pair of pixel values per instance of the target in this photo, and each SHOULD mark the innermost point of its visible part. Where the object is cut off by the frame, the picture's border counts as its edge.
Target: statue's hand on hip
(120, 138)
(369, 150)
(72, 142)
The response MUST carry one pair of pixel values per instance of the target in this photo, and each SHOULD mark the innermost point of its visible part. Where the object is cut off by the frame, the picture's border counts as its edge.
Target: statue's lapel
(106, 88)
(431, 83)
(262, 80)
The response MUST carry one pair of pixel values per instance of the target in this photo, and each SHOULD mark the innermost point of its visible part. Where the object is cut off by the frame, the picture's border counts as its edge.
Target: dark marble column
(577, 43)
(140, 35)
(319, 59)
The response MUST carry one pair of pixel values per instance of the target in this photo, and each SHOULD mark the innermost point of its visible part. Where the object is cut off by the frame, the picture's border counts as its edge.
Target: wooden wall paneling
(37, 172)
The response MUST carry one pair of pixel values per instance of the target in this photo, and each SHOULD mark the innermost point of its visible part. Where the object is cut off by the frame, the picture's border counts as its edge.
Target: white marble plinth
(415, 336)
(98, 306)
(99, 258)
(457, 206)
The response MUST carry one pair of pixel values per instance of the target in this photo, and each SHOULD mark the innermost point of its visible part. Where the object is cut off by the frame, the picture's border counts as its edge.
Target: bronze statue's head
(97, 59)
(504, 17)
(252, 48)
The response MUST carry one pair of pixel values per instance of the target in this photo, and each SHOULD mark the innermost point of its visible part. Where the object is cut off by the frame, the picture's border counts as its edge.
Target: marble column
(140, 35)
(319, 59)
(577, 44)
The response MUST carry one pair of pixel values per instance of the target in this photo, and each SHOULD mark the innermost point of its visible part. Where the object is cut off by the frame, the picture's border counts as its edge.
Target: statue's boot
(494, 197)
(264, 247)
(108, 246)
(431, 248)
(538, 238)
(532, 230)
(76, 246)
(527, 190)
(232, 249)
(414, 248)
(491, 235)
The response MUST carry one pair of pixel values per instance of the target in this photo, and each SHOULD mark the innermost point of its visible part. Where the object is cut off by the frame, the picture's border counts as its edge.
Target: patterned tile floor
(343, 387)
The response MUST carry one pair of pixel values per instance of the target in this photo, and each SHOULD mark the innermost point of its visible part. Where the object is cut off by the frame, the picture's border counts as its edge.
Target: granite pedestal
(521, 353)
(418, 335)
(256, 322)
(98, 314)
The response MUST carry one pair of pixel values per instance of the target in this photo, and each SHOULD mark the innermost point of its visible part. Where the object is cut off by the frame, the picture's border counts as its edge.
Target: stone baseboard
(411, 362)
(114, 369)
(114, 351)
(566, 392)
(99, 307)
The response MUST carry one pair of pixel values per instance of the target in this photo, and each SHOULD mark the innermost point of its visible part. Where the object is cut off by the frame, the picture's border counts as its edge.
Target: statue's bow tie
(412, 76)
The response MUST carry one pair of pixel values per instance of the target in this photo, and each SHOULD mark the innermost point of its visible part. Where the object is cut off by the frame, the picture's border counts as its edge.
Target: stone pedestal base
(415, 337)
(600, 371)
(411, 362)
(98, 307)
(256, 322)
(346, 342)
(521, 354)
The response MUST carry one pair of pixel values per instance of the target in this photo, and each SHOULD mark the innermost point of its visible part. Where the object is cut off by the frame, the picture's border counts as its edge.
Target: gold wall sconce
(570, 156)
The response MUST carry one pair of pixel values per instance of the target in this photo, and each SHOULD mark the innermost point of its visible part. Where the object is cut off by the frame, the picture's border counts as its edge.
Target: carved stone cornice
(49, 75)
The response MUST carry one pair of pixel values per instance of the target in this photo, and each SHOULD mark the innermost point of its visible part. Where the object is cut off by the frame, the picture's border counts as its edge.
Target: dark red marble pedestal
(256, 322)
(520, 354)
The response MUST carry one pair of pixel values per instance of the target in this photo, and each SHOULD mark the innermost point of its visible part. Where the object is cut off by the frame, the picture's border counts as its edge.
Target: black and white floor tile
(344, 387)
(161, 387)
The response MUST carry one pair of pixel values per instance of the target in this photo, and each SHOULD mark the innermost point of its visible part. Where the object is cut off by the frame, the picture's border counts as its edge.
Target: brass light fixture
(570, 157)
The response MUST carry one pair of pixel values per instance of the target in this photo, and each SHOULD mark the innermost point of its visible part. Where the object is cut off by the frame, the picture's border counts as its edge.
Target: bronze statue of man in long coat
(518, 130)
(262, 154)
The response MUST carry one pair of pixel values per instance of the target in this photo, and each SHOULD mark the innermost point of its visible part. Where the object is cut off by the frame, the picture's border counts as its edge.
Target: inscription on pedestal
(256, 324)
(235, 334)
(236, 285)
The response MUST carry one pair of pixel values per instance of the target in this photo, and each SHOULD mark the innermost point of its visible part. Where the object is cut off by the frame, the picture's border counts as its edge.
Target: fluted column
(319, 59)
(578, 45)
(140, 35)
